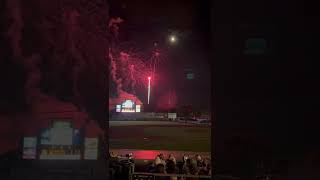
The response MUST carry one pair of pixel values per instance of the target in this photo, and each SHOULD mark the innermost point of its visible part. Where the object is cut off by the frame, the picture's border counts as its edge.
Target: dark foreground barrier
(53, 169)
(154, 176)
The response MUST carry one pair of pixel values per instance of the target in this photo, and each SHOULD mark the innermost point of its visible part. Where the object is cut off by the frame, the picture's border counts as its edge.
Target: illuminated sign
(118, 108)
(91, 148)
(138, 108)
(60, 142)
(172, 115)
(128, 110)
(29, 148)
(61, 133)
(128, 104)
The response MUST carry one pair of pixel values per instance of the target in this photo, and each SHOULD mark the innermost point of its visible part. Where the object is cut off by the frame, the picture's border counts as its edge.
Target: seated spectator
(172, 158)
(193, 169)
(159, 160)
(184, 158)
(206, 169)
(186, 167)
(116, 167)
(161, 156)
(160, 169)
(199, 160)
(172, 169)
(156, 161)
(204, 165)
(113, 154)
(190, 168)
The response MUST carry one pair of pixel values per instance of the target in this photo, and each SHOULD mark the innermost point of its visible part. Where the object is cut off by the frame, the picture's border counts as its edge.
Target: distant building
(125, 103)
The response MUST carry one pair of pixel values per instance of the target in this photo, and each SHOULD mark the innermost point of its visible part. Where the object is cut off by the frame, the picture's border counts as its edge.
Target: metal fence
(153, 176)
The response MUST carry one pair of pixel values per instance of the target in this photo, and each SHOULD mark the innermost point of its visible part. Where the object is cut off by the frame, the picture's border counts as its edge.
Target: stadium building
(125, 103)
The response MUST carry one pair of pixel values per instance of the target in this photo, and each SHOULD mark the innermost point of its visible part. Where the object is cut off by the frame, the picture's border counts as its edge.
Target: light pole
(149, 88)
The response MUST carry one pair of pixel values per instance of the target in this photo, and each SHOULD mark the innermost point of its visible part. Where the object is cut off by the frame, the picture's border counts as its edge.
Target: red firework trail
(128, 70)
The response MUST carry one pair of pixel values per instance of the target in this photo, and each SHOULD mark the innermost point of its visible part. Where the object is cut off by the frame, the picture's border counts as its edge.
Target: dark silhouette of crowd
(194, 165)
(189, 165)
(120, 166)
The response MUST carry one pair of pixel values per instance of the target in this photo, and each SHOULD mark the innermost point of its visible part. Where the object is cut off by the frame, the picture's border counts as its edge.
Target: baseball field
(154, 136)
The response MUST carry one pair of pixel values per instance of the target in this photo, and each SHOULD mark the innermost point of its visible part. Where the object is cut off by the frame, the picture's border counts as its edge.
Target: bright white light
(118, 108)
(138, 108)
(128, 104)
(127, 110)
(173, 39)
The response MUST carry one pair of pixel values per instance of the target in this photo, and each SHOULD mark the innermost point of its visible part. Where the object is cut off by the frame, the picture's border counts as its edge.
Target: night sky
(149, 22)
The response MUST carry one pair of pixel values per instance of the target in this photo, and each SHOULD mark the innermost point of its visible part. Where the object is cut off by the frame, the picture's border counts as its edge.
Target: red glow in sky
(168, 100)
(149, 77)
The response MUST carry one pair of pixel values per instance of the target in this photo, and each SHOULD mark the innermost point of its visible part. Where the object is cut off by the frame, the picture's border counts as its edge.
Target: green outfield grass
(164, 137)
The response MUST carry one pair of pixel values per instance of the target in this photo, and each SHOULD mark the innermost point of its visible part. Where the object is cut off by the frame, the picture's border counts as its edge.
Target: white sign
(138, 108)
(29, 148)
(172, 115)
(61, 136)
(118, 108)
(128, 104)
(91, 148)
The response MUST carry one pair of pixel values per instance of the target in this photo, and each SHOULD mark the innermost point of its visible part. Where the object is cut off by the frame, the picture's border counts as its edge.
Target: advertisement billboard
(91, 148)
(172, 115)
(118, 108)
(61, 133)
(29, 148)
(138, 108)
(128, 106)
(60, 142)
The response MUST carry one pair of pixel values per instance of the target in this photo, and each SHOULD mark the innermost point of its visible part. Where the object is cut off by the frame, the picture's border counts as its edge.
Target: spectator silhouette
(199, 160)
(160, 169)
(186, 166)
(172, 169)
(159, 160)
(172, 158)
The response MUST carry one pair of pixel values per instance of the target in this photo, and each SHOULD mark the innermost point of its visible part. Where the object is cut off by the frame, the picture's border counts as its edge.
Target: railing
(152, 176)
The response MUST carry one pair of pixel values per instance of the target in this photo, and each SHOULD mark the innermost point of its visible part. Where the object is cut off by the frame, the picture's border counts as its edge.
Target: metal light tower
(149, 88)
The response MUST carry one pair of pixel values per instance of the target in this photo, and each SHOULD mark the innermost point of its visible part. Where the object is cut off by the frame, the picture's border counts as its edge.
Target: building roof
(121, 98)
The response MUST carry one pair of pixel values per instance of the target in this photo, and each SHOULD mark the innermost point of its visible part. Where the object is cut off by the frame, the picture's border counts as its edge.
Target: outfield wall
(138, 116)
